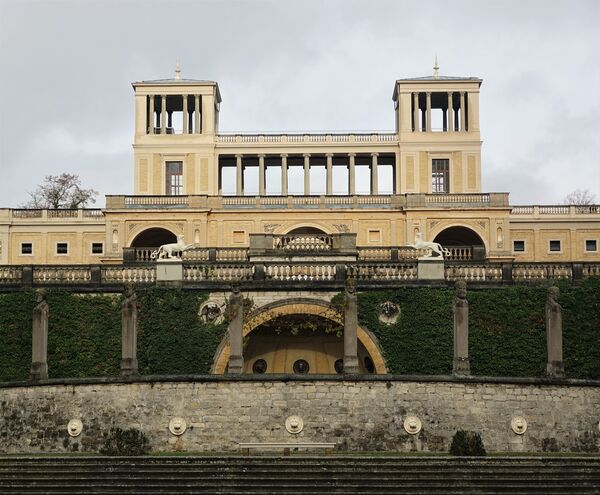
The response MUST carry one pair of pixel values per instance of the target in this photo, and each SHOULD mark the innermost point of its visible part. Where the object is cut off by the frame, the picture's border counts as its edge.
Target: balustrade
(299, 272)
(217, 272)
(383, 271)
(61, 274)
(541, 271)
(473, 272)
(128, 274)
(308, 242)
(10, 275)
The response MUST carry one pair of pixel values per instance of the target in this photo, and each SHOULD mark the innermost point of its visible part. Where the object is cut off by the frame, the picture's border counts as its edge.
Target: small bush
(467, 443)
(125, 442)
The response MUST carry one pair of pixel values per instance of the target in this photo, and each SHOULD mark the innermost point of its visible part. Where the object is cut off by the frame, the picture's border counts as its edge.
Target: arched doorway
(275, 334)
(153, 237)
(306, 230)
(462, 242)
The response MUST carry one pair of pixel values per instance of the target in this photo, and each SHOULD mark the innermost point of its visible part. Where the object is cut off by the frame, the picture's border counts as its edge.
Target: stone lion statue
(434, 247)
(166, 250)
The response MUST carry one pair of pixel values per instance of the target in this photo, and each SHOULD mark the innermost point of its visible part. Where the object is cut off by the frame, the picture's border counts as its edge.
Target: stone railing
(218, 273)
(351, 137)
(459, 253)
(303, 243)
(57, 214)
(556, 210)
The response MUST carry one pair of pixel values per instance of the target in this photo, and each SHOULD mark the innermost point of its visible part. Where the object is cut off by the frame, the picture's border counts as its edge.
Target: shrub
(467, 443)
(125, 442)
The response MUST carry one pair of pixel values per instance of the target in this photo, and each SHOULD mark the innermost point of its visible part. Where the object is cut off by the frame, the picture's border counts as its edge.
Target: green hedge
(172, 338)
(15, 335)
(507, 335)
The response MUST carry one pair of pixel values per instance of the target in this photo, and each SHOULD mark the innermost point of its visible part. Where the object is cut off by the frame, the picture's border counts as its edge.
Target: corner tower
(437, 121)
(175, 124)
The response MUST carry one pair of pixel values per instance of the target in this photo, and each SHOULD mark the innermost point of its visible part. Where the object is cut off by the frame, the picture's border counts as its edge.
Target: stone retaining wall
(357, 414)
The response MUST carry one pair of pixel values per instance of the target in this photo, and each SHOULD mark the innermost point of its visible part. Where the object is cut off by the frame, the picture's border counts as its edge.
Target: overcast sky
(66, 103)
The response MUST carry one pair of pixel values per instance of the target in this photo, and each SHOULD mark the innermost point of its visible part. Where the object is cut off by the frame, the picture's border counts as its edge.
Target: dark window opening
(62, 248)
(26, 248)
(301, 367)
(259, 366)
(339, 366)
(97, 248)
(174, 178)
(591, 245)
(554, 246)
(440, 175)
(369, 365)
(519, 246)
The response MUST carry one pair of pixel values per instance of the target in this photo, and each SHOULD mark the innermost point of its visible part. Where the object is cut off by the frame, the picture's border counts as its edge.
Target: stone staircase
(349, 474)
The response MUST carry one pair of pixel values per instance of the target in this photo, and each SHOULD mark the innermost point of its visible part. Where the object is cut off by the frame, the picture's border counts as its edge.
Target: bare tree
(61, 191)
(579, 197)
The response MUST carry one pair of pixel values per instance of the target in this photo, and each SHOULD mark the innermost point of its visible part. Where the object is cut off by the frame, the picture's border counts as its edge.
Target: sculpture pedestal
(430, 269)
(169, 271)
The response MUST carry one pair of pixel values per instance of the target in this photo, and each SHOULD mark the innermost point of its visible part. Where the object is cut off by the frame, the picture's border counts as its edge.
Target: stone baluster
(39, 338)
(460, 363)
(555, 365)
(129, 363)
(235, 329)
(350, 331)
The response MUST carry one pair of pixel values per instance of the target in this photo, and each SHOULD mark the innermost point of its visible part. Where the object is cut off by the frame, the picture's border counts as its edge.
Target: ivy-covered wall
(507, 334)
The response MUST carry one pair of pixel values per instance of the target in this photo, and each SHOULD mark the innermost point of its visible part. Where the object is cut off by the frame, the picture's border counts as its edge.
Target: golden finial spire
(436, 68)
(177, 71)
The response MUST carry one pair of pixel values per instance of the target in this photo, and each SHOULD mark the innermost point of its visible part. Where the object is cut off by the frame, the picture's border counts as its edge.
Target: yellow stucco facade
(217, 188)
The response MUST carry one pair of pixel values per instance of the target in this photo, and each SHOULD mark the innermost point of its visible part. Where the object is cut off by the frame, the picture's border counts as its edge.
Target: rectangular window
(518, 246)
(97, 248)
(440, 175)
(26, 248)
(62, 248)
(174, 178)
(554, 246)
(591, 245)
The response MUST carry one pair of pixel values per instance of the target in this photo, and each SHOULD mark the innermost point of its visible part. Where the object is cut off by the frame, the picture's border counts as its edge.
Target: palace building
(218, 189)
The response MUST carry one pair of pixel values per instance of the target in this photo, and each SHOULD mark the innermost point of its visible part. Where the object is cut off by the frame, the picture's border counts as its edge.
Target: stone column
(374, 174)
(351, 174)
(39, 338)
(306, 174)
(236, 329)
(462, 111)
(151, 115)
(129, 364)
(554, 366)
(239, 176)
(460, 363)
(186, 117)
(416, 112)
(329, 180)
(428, 111)
(284, 175)
(197, 114)
(350, 331)
(163, 114)
(261, 175)
(450, 117)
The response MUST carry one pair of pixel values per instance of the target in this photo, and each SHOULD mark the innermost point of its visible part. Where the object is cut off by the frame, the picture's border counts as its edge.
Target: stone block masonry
(359, 415)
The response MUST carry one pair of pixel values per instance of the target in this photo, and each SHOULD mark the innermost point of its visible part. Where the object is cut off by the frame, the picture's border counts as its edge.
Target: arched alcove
(153, 237)
(463, 242)
(320, 344)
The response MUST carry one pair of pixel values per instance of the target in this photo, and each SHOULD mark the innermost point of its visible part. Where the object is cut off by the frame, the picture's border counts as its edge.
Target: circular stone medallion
(74, 427)
(518, 425)
(412, 425)
(177, 426)
(294, 424)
